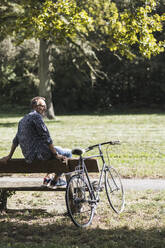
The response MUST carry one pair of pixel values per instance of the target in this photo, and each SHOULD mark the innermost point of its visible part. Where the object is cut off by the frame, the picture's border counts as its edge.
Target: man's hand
(8, 157)
(62, 158)
(5, 159)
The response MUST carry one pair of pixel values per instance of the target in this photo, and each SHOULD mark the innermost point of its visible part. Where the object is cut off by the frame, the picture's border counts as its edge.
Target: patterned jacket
(33, 137)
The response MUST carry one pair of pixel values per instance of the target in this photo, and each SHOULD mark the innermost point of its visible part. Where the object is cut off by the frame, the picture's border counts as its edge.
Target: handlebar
(79, 151)
(104, 143)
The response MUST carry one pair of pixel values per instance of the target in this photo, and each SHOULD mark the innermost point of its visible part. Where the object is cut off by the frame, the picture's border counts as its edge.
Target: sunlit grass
(142, 149)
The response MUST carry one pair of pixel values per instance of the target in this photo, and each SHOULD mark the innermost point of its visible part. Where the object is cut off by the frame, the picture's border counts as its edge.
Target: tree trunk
(44, 76)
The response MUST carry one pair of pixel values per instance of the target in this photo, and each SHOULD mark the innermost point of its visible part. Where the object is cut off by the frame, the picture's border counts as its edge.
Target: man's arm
(53, 150)
(55, 154)
(9, 156)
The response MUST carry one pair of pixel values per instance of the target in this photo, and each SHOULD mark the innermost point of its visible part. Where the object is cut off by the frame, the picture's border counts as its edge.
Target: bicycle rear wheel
(114, 190)
(79, 201)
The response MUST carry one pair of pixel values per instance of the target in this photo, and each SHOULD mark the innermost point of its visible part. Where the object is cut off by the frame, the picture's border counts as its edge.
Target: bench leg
(3, 200)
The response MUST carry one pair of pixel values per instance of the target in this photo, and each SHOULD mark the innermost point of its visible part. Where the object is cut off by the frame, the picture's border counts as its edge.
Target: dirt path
(129, 184)
(144, 184)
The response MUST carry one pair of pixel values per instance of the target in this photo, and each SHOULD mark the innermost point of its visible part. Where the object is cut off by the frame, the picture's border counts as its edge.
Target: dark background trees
(18, 73)
(134, 84)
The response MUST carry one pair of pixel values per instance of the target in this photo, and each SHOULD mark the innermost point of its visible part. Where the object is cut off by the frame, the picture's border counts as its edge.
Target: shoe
(59, 183)
(46, 181)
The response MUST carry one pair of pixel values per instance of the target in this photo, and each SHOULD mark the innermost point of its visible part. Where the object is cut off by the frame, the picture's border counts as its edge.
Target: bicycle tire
(114, 190)
(79, 201)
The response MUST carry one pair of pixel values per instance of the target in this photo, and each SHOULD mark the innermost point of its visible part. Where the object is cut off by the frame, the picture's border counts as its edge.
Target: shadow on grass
(60, 233)
(8, 124)
(25, 214)
(13, 124)
(121, 110)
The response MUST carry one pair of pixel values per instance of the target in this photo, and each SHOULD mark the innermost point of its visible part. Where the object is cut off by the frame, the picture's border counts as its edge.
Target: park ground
(37, 219)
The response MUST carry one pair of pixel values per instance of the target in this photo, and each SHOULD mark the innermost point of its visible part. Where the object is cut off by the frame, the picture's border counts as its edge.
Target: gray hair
(34, 101)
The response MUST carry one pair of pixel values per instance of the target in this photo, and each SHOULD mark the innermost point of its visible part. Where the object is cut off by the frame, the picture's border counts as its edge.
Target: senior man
(35, 141)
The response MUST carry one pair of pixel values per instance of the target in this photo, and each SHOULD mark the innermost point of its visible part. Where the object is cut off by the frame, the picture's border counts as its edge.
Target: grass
(36, 219)
(142, 150)
(31, 222)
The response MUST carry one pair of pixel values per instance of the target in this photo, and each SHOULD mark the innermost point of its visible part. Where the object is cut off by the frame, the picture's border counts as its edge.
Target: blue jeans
(63, 151)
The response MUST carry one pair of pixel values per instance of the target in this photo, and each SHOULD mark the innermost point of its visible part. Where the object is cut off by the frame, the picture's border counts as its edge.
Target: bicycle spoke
(78, 201)
(114, 190)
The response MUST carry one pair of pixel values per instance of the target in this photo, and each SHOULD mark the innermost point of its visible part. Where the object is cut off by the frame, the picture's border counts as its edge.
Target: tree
(44, 75)
(125, 32)
(43, 20)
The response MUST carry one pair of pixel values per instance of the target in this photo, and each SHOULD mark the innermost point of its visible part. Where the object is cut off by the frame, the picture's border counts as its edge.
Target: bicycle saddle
(77, 151)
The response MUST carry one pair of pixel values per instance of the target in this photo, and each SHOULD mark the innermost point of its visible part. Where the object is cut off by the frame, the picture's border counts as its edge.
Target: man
(35, 141)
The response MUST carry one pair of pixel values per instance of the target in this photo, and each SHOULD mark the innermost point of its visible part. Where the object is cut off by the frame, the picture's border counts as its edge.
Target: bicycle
(82, 195)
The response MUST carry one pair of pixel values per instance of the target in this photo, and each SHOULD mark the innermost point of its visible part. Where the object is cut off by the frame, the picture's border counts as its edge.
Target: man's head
(38, 103)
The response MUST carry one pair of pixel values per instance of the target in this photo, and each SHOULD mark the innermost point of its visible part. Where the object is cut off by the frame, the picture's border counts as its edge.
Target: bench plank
(45, 166)
(15, 166)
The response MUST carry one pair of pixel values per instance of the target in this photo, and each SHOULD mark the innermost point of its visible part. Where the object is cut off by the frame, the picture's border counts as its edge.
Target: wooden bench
(19, 166)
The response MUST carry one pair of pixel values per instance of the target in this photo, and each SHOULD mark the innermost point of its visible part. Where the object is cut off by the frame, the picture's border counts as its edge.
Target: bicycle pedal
(98, 189)
(101, 188)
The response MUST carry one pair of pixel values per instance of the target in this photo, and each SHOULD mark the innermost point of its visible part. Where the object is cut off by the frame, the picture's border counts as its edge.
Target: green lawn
(36, 219)
(142, 136)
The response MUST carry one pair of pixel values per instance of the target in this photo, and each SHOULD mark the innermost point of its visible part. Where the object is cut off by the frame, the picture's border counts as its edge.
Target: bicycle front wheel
(79, 201)
(114, 190)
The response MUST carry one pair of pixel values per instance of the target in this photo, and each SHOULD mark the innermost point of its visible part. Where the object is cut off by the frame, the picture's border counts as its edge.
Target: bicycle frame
(83, 170)
(82, 203)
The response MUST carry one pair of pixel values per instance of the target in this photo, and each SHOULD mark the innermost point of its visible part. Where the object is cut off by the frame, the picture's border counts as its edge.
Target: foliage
(123, 31)
(120, 31)
(45, 19)
(117, 83)
(18, 71)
